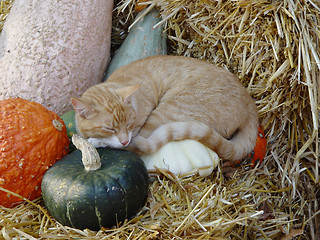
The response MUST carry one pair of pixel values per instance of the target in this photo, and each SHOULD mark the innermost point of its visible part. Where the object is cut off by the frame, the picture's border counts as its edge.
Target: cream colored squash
(183, 158)
(51, 50)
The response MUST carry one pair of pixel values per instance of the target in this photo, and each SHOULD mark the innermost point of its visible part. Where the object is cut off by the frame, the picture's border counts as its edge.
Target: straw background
(273, 47)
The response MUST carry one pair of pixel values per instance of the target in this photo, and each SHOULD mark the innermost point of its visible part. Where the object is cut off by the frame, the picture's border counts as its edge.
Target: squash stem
(90, 156)
(58, 125)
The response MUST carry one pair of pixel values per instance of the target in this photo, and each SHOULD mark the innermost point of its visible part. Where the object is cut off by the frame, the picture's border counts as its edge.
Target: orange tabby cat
(146, 104)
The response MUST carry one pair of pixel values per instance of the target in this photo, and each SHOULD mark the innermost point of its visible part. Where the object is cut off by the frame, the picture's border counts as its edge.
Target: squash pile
(32, 138)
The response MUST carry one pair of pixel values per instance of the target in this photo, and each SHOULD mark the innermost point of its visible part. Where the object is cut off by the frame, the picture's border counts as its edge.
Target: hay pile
(5, 7)
(273, 46)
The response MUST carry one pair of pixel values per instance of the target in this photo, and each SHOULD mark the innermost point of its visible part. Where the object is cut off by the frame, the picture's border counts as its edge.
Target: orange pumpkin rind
(258, 153)
(139, 7)
(32, 138)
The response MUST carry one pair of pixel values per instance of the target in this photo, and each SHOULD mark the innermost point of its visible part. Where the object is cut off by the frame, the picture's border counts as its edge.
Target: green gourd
(95, 188)
(142, 41)
(69, 120)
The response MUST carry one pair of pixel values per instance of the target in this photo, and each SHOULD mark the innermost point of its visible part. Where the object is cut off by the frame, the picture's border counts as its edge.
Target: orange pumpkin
(260, 149)
(139, 7)
(32, 138)
(258, 153)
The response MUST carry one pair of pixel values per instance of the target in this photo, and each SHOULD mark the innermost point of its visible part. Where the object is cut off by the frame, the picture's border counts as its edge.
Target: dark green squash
(98, 198)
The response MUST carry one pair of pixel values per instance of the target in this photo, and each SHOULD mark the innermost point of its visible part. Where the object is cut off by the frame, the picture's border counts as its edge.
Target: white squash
(183, 158)
(51, 50)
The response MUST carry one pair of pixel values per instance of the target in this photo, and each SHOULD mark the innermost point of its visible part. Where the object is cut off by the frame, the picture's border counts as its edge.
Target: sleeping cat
(150, 102)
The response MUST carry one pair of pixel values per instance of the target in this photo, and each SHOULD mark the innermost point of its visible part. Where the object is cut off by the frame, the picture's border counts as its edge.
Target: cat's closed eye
(130, 125)
(109, 129)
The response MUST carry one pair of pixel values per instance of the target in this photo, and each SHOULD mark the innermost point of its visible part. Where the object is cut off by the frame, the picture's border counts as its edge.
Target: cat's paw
(97, 142)
(142, 145)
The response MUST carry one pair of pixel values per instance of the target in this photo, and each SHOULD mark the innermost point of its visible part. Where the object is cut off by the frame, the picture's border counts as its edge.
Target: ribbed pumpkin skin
(29, 145)
(94, 199)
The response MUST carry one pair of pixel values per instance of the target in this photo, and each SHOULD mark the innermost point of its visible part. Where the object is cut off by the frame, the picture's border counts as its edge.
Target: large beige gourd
(51, 50)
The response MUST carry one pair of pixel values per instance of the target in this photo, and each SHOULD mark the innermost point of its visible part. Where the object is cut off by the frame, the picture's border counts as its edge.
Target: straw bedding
(273, 47)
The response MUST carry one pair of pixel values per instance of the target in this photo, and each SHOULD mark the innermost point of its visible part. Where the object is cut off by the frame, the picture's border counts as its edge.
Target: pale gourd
(52, 50)
(183, 158)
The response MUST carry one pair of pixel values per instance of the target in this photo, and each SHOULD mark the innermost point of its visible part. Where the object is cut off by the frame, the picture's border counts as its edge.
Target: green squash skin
(69, 120)
(142, 41)
(95, 199)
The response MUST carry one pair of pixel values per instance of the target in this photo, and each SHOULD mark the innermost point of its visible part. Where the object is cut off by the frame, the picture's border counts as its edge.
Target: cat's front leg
(112, 142)
(132, 148)
(140, 145)
(97, 142)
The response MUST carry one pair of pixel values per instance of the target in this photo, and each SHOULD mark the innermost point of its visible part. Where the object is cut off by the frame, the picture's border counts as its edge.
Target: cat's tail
(236, 148)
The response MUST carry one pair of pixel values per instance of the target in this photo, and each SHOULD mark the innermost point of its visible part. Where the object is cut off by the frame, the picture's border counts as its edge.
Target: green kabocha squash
(95, 188)
(69, 120)
(142, 41)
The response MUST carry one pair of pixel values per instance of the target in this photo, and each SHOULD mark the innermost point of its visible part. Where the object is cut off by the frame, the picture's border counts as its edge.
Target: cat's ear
(81, 108)
(126, 92)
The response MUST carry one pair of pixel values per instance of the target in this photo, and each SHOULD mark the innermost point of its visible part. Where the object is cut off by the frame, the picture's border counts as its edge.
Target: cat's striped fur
(150, 102)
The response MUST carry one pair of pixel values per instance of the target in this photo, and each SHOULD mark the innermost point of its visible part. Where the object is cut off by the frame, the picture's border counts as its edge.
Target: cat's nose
(125, 143)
